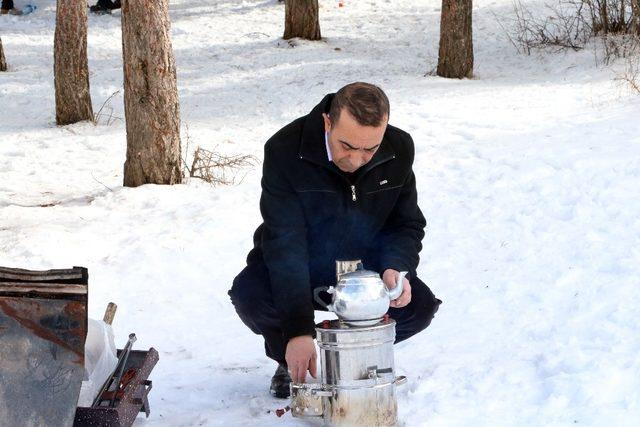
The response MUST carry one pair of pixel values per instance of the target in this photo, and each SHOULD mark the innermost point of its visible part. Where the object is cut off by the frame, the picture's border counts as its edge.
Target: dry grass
(216, 168)
(571, 24)
(631, 74)
(105, 113)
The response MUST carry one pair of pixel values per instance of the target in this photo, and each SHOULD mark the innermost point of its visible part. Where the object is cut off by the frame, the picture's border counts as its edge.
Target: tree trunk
(604, 13)
(635, 19)
(150, 95)
(301, 19)
(455, 59)
(70, 66)
(3, 62)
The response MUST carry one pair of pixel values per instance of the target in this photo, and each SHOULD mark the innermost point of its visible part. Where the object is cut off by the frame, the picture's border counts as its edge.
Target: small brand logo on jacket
(383, 182)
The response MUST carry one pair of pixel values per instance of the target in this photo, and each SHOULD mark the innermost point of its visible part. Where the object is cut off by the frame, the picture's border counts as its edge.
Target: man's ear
(327, 122)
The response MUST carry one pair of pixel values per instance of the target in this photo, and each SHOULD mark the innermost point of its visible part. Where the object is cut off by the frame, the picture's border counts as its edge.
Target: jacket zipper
(353, 187)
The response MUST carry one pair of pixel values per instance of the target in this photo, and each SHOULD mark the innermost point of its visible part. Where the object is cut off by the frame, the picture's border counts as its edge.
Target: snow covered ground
(528, 175)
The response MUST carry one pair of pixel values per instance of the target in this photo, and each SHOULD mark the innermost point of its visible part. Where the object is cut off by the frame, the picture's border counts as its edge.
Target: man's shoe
(12, 11)
(105, 6)
(98, 9)
(280, 382)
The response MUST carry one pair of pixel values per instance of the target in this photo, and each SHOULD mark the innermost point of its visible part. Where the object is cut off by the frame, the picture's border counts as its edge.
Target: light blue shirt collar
(326, 144)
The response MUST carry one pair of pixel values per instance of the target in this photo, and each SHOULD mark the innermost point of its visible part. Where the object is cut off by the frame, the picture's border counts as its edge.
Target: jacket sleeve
(284, 247)
(400, 239)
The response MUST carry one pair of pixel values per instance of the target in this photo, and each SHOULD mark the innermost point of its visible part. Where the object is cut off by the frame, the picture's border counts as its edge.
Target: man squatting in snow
(337, 184)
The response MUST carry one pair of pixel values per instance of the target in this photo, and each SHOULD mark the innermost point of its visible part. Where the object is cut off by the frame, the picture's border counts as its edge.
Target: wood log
(18, 274)
(42, 288)
(72, 281)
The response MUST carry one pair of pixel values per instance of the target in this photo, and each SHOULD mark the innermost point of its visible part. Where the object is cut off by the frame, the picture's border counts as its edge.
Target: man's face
(352, 145)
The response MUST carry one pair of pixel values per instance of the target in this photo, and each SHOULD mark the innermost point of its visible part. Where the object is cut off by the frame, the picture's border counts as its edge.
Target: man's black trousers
(251, 296)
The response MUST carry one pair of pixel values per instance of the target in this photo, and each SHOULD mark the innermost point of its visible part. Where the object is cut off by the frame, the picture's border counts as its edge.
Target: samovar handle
(400, 380)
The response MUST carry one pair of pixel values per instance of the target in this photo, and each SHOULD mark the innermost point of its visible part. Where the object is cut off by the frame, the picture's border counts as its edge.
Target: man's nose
(364, 159)
(359, 160)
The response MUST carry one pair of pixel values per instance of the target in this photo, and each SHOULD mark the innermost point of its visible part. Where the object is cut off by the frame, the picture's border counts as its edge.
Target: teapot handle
(316, 296)
(397, 290)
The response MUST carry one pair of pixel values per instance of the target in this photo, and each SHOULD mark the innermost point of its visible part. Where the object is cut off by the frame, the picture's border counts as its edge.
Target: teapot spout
(397, 291)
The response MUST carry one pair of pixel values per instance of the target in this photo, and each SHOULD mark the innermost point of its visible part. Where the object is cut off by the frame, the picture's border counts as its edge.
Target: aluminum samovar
(358, 380)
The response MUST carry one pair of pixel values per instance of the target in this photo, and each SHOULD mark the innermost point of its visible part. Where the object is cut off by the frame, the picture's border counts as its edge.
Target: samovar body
(358, 378)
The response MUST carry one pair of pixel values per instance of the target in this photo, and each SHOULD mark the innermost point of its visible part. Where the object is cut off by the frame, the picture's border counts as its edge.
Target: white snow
(528, 176)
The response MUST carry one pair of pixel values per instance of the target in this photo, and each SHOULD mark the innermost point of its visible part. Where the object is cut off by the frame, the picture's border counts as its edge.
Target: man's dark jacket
(314, 214)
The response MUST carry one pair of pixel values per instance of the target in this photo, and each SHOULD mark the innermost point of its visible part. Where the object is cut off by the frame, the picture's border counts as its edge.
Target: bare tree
(150, 95)
(70, 66)
(455, 59)
(3, 62)
(301, 19)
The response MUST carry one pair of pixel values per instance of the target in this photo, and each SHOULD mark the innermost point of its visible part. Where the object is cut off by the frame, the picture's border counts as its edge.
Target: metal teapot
(360, 297)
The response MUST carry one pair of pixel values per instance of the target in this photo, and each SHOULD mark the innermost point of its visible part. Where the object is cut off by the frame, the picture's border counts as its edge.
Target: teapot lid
(360, 273)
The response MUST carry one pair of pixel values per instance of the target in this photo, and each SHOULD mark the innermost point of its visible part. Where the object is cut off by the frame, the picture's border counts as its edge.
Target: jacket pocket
(378, 190)
(314, 191)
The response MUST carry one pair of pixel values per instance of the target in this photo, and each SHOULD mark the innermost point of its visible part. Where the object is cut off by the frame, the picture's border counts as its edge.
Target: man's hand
(390, 277)
(300, 357)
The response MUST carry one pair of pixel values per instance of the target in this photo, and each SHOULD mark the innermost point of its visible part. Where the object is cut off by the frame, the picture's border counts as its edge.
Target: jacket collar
(312, 144)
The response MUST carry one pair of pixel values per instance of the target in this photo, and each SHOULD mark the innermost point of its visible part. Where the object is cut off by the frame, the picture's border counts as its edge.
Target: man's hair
(367, 103)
